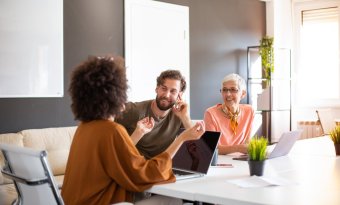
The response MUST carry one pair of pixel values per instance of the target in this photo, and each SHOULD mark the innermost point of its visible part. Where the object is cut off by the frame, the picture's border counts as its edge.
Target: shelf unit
(270, 98)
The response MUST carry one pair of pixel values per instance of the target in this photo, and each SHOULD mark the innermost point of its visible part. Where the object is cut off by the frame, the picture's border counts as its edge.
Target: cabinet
(271, 98)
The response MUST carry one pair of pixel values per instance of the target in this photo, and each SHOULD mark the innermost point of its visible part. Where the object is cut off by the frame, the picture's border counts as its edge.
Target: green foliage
(335, 135)
(257, 148)
(267, 56)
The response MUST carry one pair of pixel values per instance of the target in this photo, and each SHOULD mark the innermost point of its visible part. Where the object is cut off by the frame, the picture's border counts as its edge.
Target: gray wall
(220, 31)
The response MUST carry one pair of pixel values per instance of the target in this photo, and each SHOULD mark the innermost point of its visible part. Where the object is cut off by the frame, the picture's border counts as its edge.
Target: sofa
(56, 141)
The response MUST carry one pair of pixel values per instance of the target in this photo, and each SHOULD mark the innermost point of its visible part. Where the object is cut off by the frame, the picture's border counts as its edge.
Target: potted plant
(267, 57)
(257, 153)
(335, 136)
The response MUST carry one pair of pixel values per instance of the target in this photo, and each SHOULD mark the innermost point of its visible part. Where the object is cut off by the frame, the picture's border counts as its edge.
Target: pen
(224, 165)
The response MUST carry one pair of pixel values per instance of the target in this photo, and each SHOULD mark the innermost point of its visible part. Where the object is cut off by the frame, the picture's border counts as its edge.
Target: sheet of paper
(255, 181)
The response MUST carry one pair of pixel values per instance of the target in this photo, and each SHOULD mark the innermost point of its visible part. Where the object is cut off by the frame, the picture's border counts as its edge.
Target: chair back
(31, 174)
(326, 118)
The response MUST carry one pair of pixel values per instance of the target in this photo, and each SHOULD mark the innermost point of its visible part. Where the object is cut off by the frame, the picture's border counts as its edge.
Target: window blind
(320, 15)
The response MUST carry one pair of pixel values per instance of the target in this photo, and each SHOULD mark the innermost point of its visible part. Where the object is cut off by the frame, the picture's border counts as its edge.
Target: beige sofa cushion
(13, 139)
(7, 194)
(56, 141)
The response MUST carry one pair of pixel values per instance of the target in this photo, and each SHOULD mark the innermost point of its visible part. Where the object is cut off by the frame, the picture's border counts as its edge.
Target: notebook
(194, 157)
(281, 148)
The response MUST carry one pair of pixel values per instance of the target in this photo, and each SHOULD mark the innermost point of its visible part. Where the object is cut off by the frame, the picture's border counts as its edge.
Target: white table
(312, 167)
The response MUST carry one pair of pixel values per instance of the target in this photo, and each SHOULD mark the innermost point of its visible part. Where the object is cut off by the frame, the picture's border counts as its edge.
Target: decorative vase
(256, 167)
(337, 149)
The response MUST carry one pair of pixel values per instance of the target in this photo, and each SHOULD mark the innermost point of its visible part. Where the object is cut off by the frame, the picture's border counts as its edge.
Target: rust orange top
(104, 166)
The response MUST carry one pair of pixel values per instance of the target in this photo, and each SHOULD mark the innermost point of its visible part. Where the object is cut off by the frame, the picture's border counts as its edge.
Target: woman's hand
(145, 125)
(193, 133)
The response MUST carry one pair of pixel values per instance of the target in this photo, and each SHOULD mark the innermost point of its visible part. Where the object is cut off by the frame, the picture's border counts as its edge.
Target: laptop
(194, 157)
(282, 148)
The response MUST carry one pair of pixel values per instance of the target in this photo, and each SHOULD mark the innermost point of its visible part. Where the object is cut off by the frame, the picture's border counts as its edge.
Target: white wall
(156, 39)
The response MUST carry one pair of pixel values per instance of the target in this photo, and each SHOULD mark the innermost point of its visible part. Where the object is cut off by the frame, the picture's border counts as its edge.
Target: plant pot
(256, 167)
(337, 149)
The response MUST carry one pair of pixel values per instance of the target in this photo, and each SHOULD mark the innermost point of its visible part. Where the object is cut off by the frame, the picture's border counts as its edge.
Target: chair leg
(17, 201)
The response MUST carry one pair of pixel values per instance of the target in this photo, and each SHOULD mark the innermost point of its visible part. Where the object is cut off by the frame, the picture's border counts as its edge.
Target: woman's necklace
(232, 116)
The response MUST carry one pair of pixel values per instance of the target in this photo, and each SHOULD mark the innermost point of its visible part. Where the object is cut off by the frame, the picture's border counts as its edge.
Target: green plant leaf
(257, 148)
(335, 135)
(267, 56)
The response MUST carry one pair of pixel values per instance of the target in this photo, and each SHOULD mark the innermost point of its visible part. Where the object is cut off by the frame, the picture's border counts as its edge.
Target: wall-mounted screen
(31, 48)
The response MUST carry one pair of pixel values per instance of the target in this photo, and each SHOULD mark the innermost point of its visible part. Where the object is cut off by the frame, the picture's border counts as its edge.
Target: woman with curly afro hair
(104, 166)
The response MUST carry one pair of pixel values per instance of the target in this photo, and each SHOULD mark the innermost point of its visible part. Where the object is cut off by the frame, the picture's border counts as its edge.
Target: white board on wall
(156, 39)
(31, 48)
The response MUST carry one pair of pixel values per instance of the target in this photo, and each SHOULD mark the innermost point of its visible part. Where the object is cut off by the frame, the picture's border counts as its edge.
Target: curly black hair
(98, 88)
(172, 74)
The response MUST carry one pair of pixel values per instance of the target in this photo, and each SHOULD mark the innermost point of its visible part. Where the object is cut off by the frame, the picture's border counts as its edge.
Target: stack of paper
(255, 181)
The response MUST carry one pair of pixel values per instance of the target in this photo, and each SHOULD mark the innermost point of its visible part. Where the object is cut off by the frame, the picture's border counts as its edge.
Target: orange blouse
(215, 120)
(104, 166)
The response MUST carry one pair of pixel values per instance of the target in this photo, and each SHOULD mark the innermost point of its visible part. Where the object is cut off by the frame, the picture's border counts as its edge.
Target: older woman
(104, 166)
(232, 119)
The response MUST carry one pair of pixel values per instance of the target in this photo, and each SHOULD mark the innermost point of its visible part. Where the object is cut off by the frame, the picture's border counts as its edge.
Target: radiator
(310, 129)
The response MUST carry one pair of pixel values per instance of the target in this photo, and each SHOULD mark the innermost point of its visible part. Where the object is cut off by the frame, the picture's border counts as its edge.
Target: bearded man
(168, 112)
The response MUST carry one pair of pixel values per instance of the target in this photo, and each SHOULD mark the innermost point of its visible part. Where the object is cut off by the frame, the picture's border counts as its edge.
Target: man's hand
(181, 110)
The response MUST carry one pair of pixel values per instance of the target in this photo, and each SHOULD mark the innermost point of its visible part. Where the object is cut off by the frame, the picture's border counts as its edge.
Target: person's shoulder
(104, 129)
(143, 104)
(247, 107)
(129, 105)
(135, 106)
(118, 128)
(100, 125)
(105, 124)
(213, 108)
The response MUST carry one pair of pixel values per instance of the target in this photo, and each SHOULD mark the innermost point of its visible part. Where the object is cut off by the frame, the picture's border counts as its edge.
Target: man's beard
(161, 107)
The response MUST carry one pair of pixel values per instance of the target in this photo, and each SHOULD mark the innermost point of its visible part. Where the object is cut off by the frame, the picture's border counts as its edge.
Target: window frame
(298, 7)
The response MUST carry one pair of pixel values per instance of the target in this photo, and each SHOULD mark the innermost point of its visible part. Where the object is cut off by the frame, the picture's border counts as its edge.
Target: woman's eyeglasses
(231, 90)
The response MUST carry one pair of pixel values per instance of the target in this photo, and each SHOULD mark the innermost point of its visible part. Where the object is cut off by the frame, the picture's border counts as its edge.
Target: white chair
(326, 118)
(32, 177)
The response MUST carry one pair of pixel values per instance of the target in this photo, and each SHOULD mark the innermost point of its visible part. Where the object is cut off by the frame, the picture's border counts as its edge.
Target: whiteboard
(31, 48)
(156, 39)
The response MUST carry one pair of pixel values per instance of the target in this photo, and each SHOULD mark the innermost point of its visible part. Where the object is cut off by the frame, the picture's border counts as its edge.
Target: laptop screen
(285, 143)
(196, 155)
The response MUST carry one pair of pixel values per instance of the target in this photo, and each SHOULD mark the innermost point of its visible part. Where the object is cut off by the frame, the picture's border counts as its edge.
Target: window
(317, 51)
